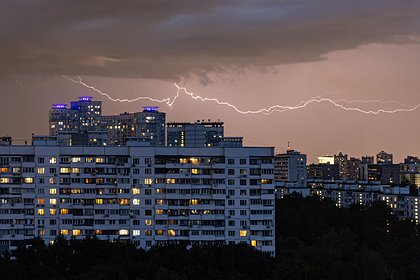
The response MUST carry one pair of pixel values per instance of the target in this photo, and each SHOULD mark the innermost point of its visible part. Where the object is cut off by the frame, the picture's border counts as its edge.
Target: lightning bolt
(266, 111)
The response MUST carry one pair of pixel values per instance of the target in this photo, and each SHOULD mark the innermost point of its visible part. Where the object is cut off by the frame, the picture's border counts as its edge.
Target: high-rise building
(354, 165)
(62, 119)
(383, 157)
(198, 134)
(384, 173)
(368, 160)
(324, 171)
(149, 195)
(89, 113)
(343, 165)
(150, 124)
(119, 128)
(290, 167)
(83, 124)
(412, 160)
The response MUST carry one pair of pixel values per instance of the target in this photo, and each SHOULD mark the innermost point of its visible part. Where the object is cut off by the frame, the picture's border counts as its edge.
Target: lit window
(75, 159)
(53, 211)
(194, 201)
(254, 243)
(53, 160)
(124, 232)
(41, 170)
(136, 232)
(41, 212)
(53, 191)
(89, 159)
(41, 201)
(124, 201)
(75, 170)
(194, 161)
(136, 191)
(194, 171)
(183, 160)
(100, 160)
(4, 170)
(99, 201)
(171, 232)
(75, 232)
(4, 180)
(160, 202)
(159, 212)
(170, 181)
(64, 211)
(159, 232)
(41, 232)
(64, 232)
(148, 181)
(148, 222)
(243, 233)
(28, 180)
(64, 170)
(53, 201)
(52, 181)
(136, 201)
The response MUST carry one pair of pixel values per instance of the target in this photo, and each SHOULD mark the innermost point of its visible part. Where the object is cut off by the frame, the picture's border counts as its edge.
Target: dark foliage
(315, 240)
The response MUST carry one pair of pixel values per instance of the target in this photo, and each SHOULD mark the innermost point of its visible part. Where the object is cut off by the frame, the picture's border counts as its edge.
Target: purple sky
(253, 55)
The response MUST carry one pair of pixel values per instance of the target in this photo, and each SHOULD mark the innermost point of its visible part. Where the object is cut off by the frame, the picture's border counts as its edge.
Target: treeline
(315, 240)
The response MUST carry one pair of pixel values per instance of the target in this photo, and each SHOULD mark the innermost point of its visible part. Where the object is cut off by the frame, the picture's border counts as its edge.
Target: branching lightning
(266, 111)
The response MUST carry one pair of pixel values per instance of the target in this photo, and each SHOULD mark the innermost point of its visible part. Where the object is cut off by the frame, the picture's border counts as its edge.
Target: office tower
(198, 134)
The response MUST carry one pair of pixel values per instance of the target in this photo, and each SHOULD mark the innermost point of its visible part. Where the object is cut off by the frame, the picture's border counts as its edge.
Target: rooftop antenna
(288, 146)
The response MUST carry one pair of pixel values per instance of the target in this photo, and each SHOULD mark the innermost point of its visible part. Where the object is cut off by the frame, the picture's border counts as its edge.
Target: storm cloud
(173, 39)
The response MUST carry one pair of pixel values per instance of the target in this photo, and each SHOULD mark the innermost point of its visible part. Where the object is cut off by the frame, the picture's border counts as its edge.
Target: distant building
(197, 134)
(343, 165)
(290, 167)
(324, 171)
(326, 159)
(83, 124)
(384, 173)
(383, 157)
(368, 160)
(354, 165)
(412, 160)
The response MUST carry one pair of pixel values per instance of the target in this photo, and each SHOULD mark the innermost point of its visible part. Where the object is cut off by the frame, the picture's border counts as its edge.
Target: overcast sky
(253, 54)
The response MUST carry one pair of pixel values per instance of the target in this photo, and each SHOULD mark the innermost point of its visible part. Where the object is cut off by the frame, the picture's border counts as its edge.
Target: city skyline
(253, 56)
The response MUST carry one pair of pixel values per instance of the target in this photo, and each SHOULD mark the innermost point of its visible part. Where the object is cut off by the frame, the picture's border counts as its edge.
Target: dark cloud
(171, 39)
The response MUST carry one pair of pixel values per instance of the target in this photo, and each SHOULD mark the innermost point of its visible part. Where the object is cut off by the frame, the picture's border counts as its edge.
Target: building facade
(197, 134)
(150, 195)
(290, 167)
(83, 124)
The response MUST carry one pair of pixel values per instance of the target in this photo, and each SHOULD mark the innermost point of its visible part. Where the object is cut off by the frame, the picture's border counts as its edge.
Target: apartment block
(147, 194)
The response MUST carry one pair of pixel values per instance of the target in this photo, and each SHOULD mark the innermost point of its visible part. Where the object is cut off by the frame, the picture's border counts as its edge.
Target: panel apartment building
(150, 195)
